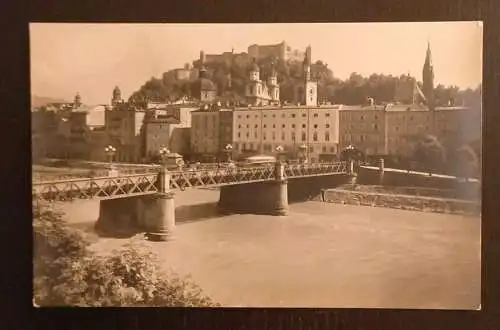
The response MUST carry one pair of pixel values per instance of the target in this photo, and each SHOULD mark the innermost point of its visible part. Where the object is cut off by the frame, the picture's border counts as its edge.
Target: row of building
(206, 128)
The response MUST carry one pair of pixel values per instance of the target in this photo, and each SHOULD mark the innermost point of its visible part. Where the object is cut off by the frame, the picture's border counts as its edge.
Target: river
(321, 255)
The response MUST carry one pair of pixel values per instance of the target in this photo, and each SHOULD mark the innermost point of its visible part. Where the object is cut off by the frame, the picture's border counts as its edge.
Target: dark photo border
(16, 163)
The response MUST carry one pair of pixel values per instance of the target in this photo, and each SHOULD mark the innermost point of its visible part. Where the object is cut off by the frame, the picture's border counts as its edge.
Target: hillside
(354, 90)
(40, 101)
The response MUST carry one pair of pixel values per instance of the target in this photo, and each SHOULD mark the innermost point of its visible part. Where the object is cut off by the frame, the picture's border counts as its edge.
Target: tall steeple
(428, 78)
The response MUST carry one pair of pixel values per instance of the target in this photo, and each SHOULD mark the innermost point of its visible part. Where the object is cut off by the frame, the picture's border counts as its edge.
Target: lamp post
(279, 151)
(110, 152)
(304, 148)
(164, 152)
(228, 149)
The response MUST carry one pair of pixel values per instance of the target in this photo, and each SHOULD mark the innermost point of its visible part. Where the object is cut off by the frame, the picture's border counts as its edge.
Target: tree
(467, 162)
(67, 273)
(429, 153)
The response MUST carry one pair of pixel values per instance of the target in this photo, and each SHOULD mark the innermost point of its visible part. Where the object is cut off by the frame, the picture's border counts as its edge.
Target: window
(376, 117)
(239, 134)
(303, 115)
(411, 117)
(303, 137)
(265, 116)
(293, 115)
(293, 136)
(274, 116)
(239, 116)
(274, 126)
(315, 136)
(239, 126)
(332, 149)
(323, 149)
(303, 125)
(256, 116)
(362, 117)
(255, 135)
(248, 126)
(375, 127)
(248, 116)
(327, 136)
(248, 134)
(397, 128)
(283, 116)
(315, 125)
(274, 136)
(315, 115)
(327, 125)
(264, 135)
(283, 125)
(282, 136)
(327, 114)
(293, 125)
(256, 126)
(265, 125)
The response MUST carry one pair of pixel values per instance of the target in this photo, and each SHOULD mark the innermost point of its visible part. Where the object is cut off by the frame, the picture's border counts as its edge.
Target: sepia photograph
(315, 165)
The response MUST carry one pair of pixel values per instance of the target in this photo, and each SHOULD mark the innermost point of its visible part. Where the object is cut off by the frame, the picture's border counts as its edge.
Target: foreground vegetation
(67, 273)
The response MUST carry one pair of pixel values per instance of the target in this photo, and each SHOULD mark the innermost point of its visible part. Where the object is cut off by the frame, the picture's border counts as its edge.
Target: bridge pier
(159, 216)
(268, 197)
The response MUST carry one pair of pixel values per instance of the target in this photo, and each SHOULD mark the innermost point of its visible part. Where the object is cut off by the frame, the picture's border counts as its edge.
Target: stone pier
(268, 197)
(154, 214)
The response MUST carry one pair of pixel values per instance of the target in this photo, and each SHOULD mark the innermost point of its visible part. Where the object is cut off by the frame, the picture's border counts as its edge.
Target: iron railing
(148, 183)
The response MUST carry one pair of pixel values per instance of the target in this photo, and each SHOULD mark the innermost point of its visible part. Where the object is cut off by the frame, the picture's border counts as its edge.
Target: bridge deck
(147, 183)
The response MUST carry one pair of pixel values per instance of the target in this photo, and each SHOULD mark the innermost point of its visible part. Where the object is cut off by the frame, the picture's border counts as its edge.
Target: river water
(321, 255)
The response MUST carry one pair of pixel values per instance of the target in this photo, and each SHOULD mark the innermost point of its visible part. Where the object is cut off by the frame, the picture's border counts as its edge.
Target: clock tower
(307, 92)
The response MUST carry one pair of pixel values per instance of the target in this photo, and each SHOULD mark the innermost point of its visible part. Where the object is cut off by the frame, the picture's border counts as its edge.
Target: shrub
(67, 273)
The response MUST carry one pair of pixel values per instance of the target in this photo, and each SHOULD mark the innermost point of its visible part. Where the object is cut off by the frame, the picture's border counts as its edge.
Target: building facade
(307, 130)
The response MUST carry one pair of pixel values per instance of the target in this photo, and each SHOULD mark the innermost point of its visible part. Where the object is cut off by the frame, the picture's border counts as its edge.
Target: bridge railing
(307, 170)
(147, 183)
(219, 176)
(100, 187)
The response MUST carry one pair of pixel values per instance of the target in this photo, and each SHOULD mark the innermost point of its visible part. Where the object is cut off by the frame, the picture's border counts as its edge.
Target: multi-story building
(363, 127)
(310, 132)
(211, 131)
(392, 129)
(124, 131)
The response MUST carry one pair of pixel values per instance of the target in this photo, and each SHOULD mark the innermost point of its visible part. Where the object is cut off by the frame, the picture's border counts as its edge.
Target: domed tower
(78, 101)
(255, 87)
(254, 71)
(117, 96)
(204, 87)
(274, 88)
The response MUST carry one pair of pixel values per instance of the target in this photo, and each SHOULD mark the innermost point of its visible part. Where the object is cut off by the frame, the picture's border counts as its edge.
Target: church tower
(428, 79)
(274, 88)
(78, 101)
(117, 96)
(254, 87)
(307, 93)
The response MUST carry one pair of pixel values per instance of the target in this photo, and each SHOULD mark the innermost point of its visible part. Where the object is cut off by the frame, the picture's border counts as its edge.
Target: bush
(67, 273)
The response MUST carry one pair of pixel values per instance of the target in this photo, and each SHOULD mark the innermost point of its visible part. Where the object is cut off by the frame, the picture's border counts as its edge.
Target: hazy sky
(92, 58)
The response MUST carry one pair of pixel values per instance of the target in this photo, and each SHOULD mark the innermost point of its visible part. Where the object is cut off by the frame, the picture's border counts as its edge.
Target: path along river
(321, 255)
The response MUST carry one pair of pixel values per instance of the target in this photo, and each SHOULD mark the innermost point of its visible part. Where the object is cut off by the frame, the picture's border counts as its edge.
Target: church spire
(428, 78)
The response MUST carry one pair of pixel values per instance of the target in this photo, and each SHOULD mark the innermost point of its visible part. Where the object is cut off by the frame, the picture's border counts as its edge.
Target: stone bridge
(147, 199)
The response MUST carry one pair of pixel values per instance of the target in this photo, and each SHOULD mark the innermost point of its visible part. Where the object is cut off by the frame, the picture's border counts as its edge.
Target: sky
(92, 59)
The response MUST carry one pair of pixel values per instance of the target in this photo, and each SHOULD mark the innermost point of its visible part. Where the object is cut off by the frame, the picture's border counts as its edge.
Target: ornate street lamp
(110, 152)
(164, 152)
(279, 150)
(228, 149)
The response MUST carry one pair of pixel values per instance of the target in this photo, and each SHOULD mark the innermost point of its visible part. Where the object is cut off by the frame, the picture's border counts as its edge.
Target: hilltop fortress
(281, 51)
